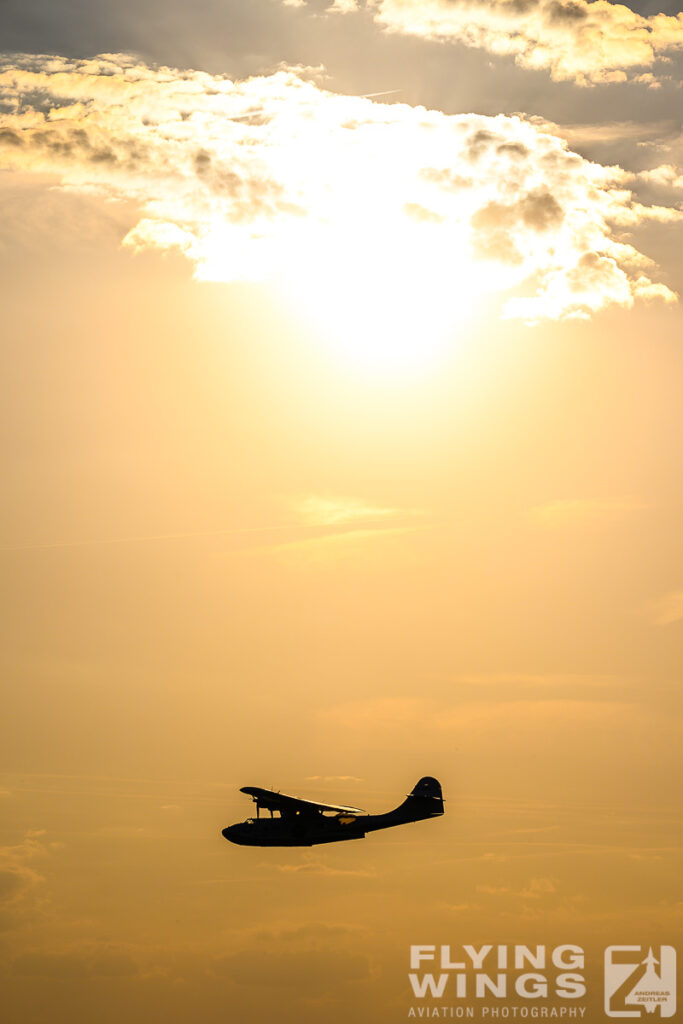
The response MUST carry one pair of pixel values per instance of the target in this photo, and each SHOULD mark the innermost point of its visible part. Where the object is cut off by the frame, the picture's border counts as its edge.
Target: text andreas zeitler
(521, 974)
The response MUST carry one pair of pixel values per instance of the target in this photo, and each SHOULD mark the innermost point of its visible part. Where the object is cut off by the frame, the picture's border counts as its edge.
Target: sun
(390, 305)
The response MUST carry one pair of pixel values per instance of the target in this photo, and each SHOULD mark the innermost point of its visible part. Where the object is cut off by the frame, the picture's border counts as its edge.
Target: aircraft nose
(231, 833)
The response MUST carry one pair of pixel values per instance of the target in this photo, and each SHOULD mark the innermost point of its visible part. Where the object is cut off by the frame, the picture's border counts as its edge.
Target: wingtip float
(308, 823)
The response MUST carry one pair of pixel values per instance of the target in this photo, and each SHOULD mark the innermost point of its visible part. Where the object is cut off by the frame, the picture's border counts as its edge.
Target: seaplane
(296, 822)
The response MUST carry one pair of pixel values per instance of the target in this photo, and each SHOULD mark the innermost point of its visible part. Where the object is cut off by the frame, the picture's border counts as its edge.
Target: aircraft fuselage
(288, 832)
(305, 824)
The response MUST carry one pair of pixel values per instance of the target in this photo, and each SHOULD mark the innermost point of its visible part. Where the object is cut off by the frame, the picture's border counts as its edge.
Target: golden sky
(342, 446)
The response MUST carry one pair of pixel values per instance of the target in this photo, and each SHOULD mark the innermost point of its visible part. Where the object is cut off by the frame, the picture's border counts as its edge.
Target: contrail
(145, 537)
(106, 541)
(387, 92)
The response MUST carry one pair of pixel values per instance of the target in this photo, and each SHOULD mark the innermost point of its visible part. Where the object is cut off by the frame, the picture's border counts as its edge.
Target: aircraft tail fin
(425, 801)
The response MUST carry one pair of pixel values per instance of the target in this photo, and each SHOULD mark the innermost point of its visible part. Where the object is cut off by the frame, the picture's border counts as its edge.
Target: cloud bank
(275, 178)
(585, 41)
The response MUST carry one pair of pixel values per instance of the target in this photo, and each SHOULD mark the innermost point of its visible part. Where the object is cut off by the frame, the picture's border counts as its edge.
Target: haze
(342, 446)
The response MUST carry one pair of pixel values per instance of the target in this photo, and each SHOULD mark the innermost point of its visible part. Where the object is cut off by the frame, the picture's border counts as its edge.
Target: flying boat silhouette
(308, 823)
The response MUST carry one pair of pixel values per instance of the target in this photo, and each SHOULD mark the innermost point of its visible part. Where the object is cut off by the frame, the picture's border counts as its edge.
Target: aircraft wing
(272, 801)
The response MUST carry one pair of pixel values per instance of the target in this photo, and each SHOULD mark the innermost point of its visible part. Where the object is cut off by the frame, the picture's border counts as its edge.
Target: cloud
(323, 511)
(326, 870)
(538, 887)
(276, 179)
(512, 717)
(16, 880)
(103, 964)
(315, 933)
(605, 132)
(664, 174)
(17, 876)
(341, 527)
(311, 971)
(359, 547)
(584, 41)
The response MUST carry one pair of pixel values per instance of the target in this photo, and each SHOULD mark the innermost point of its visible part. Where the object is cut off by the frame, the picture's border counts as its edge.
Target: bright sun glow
(388, 305)
(388, 228)
(386, 225)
